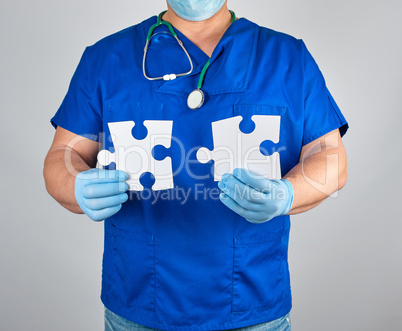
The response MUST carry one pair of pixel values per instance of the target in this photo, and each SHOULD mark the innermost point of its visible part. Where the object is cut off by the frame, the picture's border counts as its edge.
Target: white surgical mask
(195, 10)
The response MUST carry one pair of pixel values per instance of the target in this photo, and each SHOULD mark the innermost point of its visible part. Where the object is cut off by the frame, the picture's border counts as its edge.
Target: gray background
(345, 255)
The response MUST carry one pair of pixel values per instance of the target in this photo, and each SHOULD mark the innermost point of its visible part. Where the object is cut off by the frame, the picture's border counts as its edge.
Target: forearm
(321, 172)
(62, 164)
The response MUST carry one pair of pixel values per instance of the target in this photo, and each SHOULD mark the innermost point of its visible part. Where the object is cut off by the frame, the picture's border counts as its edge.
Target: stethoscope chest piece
(195, 99)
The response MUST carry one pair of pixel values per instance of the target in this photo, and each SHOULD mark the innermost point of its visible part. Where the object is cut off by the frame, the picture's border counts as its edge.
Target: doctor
(216, 260)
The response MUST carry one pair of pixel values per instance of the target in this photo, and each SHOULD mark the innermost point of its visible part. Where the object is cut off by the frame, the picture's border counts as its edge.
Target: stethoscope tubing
(174, 76)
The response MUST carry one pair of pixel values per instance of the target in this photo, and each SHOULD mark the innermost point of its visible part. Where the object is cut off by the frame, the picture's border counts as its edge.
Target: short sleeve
(321, 113)
(81, 111)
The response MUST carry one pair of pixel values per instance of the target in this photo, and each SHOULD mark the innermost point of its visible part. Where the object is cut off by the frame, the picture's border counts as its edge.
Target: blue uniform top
(178, 259)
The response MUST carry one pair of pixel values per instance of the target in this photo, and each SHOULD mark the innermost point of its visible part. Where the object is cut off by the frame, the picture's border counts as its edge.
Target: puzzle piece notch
(135, 156)
(235, 149)
(139, 131)
(247, 125)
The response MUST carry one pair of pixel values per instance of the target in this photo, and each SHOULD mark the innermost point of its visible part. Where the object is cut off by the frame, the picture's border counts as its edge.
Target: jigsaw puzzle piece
(225, 136)
(105, 157)
(135, 157)
(235, 149)
(160, 133)
(267, 127)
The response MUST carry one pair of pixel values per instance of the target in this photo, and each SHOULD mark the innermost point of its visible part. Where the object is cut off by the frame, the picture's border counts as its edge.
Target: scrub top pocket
(250, 110)
(257, 272)
(133, 268)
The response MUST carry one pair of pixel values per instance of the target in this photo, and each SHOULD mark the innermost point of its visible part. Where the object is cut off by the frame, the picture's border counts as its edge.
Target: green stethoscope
(196, 98)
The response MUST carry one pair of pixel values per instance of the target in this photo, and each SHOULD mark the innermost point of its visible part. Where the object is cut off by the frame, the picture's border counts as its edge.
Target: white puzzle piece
(135, 156)
(235, 149)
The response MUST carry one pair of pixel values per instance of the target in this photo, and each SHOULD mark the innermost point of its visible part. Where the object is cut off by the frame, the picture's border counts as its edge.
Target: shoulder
(280, 39)
(122, 41)
(277, 40)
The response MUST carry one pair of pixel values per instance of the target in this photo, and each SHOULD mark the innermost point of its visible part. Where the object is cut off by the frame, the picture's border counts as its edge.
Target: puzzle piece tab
(235, 149)
(135, 156)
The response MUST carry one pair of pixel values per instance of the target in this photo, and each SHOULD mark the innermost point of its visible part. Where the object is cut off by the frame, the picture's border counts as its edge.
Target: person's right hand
(100, 193)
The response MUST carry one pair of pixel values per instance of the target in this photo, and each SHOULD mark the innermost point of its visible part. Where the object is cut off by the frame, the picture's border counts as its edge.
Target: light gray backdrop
(345, 255)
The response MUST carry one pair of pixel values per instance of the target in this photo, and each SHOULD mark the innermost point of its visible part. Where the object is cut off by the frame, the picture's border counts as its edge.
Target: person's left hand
(254, 197)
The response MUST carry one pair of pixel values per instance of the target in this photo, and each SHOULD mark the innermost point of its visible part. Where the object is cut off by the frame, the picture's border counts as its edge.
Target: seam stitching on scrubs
(279, 110)
(333, 107)
(258, 245)
(252, 57)
(92, 91)
(235, 90)
(322, 132)
(153, 239)
(210, 93)
(262, 308)
(303, 101)
(233, 269)
(274, 236)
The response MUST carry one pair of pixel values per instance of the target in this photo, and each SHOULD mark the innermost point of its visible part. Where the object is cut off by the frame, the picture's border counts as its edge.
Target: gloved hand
(255, 198)
(100, 193)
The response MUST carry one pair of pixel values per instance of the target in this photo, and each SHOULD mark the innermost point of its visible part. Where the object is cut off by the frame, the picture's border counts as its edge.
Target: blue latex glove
(256, 198)
(100, 193)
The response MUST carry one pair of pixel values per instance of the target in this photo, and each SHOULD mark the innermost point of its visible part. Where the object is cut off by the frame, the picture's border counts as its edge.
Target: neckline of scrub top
(230, 66)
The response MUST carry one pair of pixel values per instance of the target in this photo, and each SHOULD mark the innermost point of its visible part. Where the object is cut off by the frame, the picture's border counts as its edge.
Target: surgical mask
(196, 10)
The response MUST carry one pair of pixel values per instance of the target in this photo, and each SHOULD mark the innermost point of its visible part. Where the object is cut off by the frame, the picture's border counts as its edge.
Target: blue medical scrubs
(178, 259)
